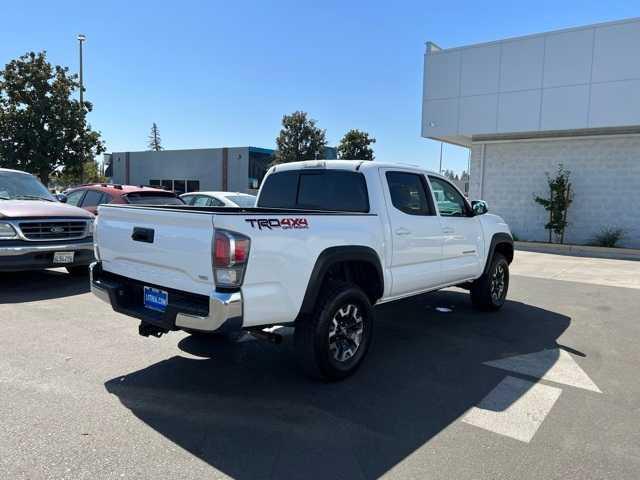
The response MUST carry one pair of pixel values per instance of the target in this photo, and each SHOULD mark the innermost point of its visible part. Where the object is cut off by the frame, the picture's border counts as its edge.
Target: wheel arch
(356, 264)
(501, 242)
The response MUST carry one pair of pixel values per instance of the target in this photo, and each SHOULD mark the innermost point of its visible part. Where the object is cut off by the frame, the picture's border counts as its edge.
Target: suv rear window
(334, 190)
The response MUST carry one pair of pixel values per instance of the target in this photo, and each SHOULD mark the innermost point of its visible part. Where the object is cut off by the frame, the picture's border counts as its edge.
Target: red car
(90, 196)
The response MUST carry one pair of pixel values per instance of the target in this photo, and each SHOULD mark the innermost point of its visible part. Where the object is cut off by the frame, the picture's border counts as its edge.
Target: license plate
(63, 257)
(155, 299)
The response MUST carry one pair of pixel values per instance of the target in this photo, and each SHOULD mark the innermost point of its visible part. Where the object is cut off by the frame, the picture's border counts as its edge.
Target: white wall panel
(521, 66)
(565, 108)
(567, 59)
(480, 70)
(478, 114)
(615, 104)
(443, 75)
(519, 111)
(616, 54)
(570, 79)
(442, 117)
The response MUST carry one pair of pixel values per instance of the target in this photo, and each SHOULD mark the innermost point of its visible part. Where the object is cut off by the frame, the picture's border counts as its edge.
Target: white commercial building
(524, 105)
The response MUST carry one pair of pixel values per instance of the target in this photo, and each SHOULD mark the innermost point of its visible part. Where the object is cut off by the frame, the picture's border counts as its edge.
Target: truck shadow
(22, 287)
(246, 410)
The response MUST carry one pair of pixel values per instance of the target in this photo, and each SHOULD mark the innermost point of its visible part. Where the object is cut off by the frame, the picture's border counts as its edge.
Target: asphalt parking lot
(546, 388)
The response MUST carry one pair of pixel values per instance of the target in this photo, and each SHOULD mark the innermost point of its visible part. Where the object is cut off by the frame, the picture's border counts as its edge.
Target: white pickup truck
(326, 241)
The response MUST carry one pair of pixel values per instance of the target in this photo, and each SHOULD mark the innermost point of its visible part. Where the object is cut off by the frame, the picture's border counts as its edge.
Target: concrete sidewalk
(598, 271)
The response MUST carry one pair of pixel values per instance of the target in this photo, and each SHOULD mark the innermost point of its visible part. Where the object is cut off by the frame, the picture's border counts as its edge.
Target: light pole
(81, 39)
(440, 171)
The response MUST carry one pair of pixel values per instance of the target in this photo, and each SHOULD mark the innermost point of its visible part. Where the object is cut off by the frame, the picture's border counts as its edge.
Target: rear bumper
(16, 256)
(220, 312)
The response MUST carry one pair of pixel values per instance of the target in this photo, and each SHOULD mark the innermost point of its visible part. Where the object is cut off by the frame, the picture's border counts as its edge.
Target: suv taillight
(230, 255)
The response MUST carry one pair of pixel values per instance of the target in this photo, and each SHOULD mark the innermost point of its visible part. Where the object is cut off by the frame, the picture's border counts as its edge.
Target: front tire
(332, 342)
(489, 292)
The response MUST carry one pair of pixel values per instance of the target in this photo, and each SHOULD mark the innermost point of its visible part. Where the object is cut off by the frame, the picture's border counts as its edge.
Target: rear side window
(74, 197)
(188, 199)
(409, 193)
(92, 198)
(334, 190)
(201, 201)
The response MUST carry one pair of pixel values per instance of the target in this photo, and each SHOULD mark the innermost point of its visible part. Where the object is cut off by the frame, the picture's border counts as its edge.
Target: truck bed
(285, 244)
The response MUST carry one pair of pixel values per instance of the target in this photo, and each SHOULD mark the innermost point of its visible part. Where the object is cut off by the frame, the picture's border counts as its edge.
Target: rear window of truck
(334, 190)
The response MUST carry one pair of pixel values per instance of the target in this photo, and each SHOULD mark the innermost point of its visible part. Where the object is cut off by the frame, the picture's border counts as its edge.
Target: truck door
(416, 232)
(462, 247)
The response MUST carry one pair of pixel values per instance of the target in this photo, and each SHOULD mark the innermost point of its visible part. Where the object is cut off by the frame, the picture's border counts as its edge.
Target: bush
(608, 237)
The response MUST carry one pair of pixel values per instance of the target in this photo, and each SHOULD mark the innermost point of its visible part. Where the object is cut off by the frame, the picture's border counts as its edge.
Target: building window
(193, 185)
(259, 162)
(179, 186)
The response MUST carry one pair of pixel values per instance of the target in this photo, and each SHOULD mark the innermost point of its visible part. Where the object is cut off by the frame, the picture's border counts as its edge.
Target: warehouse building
(237, 169)
(525, 105)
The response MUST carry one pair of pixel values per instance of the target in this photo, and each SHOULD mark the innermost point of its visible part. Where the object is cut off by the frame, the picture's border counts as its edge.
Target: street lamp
(81, 38)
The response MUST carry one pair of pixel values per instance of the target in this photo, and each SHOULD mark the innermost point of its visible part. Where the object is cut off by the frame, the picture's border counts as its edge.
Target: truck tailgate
(161, 247)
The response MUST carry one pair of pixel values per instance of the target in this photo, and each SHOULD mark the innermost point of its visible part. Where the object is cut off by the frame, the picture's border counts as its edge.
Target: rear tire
(489, 292)
(332, 342)
(78, 271)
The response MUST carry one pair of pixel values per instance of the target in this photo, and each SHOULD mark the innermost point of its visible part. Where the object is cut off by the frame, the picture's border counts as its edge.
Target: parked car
(91, 196)
(37, 232)
(219, 199)
(327, 241)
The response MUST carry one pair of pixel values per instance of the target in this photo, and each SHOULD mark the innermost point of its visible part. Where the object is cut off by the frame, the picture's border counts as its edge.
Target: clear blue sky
(223, 73)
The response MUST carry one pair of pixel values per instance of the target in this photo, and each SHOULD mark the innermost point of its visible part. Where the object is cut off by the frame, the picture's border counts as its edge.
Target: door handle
(142, 235)
(448, 230)
(402, 231)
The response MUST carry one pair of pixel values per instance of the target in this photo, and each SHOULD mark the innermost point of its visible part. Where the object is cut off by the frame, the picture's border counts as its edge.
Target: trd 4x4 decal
(283, 223)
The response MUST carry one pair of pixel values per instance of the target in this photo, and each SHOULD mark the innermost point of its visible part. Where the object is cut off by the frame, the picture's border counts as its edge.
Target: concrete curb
(580, 250)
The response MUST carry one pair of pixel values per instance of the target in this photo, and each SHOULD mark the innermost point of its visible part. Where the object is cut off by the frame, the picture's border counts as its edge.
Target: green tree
(355, 145)
(560, 198)
(42, 129)
(155, 142)
(451, 175)
(299, 139)
(70, 177)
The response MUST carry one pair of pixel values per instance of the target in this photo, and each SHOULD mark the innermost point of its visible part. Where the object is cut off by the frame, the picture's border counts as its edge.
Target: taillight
(230, 255)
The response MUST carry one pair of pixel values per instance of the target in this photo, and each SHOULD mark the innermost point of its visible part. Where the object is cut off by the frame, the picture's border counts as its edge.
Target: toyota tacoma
(326, 242)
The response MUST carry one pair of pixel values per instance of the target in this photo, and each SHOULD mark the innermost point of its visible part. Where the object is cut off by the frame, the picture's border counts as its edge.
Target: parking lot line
(514, 408)
(554, 365)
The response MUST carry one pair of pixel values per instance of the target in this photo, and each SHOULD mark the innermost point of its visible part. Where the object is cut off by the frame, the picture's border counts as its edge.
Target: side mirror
(61, 197)
(479, 207)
